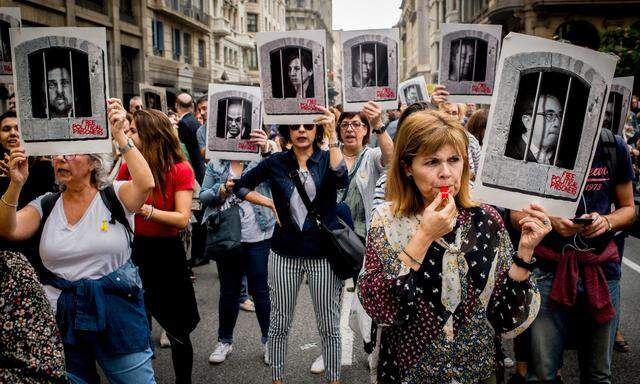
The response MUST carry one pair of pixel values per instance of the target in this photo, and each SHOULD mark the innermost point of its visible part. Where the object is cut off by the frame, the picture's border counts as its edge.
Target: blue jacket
(109, 310)
(216, 174)
(288, 240)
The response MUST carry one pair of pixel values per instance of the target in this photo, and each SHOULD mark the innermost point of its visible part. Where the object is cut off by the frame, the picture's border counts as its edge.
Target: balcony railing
(221, 26)
(188, 9)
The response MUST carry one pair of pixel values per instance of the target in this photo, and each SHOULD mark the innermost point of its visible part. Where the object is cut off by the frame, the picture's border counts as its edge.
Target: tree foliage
(625, 43)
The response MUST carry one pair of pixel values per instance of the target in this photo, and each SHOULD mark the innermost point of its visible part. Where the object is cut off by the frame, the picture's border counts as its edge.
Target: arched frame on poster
(515, 172)
(233, 112)
(10, 17)
(618, 104)
(468, 58)
(153, 97)
(370, 68)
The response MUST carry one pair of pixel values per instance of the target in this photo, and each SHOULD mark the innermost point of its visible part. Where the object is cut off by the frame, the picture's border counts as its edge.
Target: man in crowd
(201, 107)
(582, 283)
(12, 102)
(135, 104)
(187, 132)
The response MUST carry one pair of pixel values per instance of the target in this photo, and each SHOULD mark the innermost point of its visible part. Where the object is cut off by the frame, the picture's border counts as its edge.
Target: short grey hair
(103, 163)
(135, 98)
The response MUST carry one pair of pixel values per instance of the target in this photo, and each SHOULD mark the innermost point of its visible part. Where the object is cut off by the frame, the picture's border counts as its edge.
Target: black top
(187, 132)
(288, 240)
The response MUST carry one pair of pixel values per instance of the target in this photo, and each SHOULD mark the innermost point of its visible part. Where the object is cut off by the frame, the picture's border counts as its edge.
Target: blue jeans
(118, 368)
(552, 330)
(252, 262)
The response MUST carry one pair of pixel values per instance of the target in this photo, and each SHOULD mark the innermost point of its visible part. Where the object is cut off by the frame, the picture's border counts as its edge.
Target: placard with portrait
(292, 75)
(369, 68)
(153, 97)
(618, 104)
(10, 17)
(468, 58)
(413, 90)
(234, 111)
(543, 124)
(61, 89)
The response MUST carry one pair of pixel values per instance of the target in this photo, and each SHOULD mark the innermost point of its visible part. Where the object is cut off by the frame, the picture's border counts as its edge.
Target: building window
(126, 11)
(300, 3)
(94, 5)
(216, 48)
(202, 52)
(176, 43)
(252, 22)
(187, 48)
(468, 60)
(253, 58)
(157, 29)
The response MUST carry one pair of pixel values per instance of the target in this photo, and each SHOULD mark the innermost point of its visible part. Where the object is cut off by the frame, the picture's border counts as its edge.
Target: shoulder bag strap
(303, 194)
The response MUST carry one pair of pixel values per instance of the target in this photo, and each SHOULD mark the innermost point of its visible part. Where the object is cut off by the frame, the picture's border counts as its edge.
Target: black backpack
(110, 200)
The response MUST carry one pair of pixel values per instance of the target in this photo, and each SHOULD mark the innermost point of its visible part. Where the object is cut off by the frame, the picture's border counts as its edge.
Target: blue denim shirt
(109, 309)
(216, 174)
(288, 240)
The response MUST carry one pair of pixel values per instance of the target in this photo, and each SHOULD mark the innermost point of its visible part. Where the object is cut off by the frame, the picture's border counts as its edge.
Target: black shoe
(369, 347)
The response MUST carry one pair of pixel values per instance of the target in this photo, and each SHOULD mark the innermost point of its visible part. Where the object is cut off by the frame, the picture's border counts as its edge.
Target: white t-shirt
(90, 249)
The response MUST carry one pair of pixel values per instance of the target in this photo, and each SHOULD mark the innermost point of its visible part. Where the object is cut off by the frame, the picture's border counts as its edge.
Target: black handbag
(346, 253)
(223, 233)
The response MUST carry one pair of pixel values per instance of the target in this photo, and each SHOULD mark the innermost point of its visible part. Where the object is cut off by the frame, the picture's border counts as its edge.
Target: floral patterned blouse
(441, 322)
(30, 345)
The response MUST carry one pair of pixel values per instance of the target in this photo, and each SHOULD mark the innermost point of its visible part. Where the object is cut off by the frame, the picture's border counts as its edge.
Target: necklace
(351, 156)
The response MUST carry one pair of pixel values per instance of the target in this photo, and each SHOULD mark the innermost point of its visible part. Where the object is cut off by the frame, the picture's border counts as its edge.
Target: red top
(180, 178)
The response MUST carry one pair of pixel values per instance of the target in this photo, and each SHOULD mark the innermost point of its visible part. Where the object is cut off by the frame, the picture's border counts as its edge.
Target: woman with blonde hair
(440, 271)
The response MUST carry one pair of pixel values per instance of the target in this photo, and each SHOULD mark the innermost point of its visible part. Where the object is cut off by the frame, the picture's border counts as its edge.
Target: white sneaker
(508, 362)
(164, 340)
(318, 365)
(248, 306)
(267, 358)
(220, 353)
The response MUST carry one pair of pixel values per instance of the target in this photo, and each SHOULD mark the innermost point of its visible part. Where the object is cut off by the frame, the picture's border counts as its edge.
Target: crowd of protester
(96, 246)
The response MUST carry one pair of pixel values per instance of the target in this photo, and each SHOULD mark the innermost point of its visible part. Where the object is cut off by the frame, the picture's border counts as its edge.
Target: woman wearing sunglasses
(298, 247)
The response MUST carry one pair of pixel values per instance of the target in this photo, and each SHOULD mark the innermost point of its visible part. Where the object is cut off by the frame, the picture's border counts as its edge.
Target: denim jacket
(216, 174)
(288, 240)
(112, 304)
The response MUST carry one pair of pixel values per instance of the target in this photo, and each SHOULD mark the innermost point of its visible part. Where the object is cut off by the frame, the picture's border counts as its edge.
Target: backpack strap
(46, 204)
(110, 200)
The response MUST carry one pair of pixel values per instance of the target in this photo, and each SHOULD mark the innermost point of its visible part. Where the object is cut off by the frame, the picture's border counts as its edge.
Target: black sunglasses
(295, 127)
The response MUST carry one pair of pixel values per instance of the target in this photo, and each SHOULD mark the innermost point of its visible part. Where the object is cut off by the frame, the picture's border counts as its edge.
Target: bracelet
(8, 204)
(410, 257)
(150, 214)
(610, 229)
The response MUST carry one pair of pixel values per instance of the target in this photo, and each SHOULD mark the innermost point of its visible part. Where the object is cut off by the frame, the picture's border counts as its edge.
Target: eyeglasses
(549, 117)
(354, 124)
(308, 127)
(66, 157)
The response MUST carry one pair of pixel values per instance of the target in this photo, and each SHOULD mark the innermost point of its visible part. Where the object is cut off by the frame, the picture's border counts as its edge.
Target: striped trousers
(285, 277)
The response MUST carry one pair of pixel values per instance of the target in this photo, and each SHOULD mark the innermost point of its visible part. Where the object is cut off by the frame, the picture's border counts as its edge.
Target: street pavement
(244, 365)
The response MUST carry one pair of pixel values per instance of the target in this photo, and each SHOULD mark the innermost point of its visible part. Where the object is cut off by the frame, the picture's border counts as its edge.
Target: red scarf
(565, 284)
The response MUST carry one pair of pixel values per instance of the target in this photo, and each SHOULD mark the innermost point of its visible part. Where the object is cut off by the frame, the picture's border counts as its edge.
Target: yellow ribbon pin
(103, 226)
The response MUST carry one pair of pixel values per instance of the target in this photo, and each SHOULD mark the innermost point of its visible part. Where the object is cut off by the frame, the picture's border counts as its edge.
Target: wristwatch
(517, 260)
(127, 147)
(334, 145)
(380, 130)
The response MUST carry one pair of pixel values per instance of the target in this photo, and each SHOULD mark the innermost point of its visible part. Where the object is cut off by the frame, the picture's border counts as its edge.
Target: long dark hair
(160, 145)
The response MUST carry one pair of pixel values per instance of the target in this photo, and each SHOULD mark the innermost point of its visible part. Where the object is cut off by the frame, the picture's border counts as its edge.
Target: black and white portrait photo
(58, 83)
(618, 103)
(153, 97)
(61, 89)
(559, 109)
(543, 124)
(10, 17)
(234, 111)
(234, 118)
(292, 75)
(370, 68)
(468, 59)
